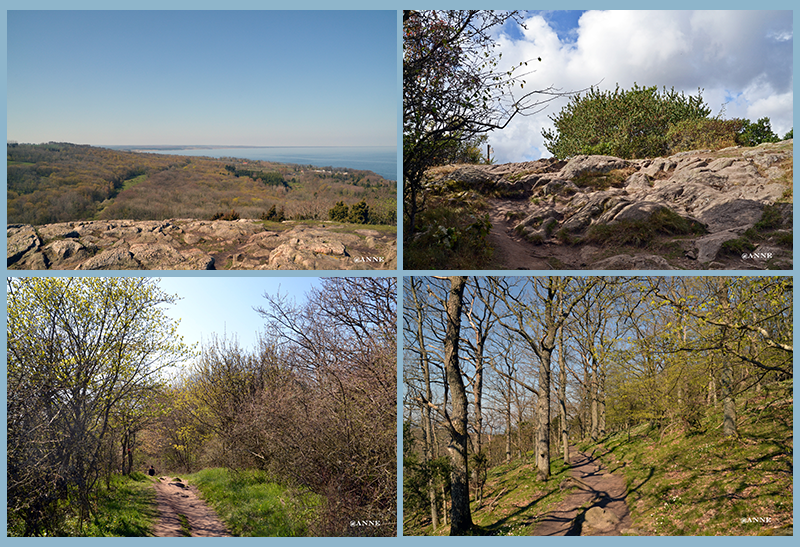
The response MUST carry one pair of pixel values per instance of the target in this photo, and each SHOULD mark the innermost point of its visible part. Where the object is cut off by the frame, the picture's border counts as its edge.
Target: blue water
(380, 160)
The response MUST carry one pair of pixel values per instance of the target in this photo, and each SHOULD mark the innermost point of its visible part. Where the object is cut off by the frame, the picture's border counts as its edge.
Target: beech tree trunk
(460, 515)
(427, 424)
(562, 397)
(508, 422)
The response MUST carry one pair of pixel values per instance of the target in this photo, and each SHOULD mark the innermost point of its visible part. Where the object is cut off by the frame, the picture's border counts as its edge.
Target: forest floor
(182, 513)
(596, 506)
(652, 480)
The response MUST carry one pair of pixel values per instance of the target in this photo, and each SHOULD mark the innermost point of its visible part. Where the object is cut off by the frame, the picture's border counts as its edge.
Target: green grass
(127, 510)
(769, 227)
(512, 497)
(680, 481)
(638, 233)
(702, 483)
(134, 181)
(186, 529)
(251, 505)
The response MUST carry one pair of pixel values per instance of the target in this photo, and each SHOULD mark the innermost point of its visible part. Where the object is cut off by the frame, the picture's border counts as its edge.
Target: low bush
(456, 236)
(230, 215)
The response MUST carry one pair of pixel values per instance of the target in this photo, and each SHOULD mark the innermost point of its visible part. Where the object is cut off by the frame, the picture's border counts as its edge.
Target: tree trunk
(593, 396)
(601, 404)
(427, 424)
(478, 398)
(508, 422)
(587, 401)
(562, 397)
(460, 515)
(728, 403)
(543, 421)
(712, 392)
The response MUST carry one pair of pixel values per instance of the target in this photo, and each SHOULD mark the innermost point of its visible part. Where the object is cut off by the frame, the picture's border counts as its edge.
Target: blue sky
(261, 78)
(223, 306)
(742, 60)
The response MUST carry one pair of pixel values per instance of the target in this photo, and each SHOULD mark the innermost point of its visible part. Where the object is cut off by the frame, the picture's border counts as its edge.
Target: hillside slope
(701, 483)
(679, 482)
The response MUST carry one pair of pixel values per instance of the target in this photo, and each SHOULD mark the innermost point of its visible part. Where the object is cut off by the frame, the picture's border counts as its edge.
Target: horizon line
(216, 146)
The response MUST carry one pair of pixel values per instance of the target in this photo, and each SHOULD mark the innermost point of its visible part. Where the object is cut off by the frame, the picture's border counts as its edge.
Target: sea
(378, 159)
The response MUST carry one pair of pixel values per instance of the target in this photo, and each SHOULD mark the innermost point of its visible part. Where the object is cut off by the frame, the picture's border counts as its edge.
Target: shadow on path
(596, 506)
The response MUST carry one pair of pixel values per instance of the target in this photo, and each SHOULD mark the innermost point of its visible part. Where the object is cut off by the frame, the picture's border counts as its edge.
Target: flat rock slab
(182, 244)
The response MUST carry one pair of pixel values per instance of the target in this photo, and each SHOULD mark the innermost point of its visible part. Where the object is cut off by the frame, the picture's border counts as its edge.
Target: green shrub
(274, 214)
(339, 212)
(771, 219)
(737, 246)
(624, 123)
(359, 213)
(753, 134)
(230, 215)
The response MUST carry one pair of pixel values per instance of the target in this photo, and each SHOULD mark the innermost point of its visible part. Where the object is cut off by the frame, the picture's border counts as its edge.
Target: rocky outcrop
(198, 245)
(725, 209)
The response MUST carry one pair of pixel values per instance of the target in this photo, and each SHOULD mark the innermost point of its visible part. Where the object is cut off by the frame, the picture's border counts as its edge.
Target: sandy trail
(175, 499)
(604, 491)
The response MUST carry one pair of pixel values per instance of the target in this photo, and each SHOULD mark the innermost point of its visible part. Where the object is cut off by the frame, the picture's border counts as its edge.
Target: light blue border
(401, 541)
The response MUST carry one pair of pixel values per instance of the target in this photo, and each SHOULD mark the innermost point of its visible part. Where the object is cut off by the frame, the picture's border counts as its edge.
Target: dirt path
(175, 499)
(512, 252)
(604, 492)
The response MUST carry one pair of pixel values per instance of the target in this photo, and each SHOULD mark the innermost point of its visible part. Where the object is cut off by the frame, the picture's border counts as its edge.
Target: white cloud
(743, 58)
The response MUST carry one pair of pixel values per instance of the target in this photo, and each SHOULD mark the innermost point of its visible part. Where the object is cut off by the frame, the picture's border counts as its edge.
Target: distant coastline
(381, 160)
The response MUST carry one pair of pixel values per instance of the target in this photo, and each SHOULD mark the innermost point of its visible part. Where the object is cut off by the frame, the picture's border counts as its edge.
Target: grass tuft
(638, 233)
